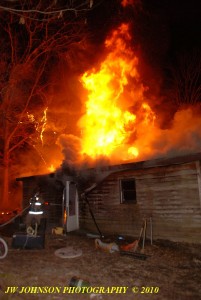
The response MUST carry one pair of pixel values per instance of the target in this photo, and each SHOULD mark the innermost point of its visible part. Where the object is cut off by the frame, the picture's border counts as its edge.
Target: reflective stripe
(35, 212)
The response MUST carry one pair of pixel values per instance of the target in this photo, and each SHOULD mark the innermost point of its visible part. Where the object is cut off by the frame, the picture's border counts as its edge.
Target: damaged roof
(158, 162)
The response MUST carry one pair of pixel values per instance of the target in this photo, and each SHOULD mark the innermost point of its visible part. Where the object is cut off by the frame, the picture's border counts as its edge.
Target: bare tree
(185, 79)
(34, 34)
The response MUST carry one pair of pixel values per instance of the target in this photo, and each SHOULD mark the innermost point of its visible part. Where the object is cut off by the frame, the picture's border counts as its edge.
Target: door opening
(70, 207)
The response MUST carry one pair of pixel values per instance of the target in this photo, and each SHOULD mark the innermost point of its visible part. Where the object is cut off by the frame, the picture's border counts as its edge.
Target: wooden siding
(169, 195)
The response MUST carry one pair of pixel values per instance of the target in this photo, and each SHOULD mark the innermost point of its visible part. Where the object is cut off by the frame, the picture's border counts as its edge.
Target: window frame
(122, 190)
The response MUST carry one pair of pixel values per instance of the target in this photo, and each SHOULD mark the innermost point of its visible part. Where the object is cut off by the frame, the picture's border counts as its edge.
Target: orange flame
(51, 168)
(127, 2)
(109, 123)
(118, 123)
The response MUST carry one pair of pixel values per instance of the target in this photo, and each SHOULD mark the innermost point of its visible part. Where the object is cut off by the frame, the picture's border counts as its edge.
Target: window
(128, 191)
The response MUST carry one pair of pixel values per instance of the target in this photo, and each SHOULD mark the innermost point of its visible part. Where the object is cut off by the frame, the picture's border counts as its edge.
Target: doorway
(70, 207)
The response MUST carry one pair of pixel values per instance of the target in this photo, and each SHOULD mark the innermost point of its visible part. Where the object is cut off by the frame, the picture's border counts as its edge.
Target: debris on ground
(172, 269)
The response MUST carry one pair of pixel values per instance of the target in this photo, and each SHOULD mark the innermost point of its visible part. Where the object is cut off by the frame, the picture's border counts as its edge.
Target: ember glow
(40, 124)
(109, 121)
(51, 168)
(127, 2)
(43, 123)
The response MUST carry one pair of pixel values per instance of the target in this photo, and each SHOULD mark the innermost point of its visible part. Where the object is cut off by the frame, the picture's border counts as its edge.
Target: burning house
(121, 132)
(166, 192)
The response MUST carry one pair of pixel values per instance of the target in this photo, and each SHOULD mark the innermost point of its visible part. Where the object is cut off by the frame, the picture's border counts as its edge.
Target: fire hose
(84, 196)
(3, 248)
(3, 244)
(19, 214)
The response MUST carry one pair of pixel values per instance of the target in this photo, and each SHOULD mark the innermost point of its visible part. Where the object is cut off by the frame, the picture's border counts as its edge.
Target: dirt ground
(171, 271)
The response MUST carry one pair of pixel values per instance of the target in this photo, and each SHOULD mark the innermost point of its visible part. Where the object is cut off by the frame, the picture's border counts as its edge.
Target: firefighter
(35, 214)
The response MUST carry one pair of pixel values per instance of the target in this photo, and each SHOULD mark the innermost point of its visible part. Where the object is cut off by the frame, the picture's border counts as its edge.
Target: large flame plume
(118, 122)
(110, 125)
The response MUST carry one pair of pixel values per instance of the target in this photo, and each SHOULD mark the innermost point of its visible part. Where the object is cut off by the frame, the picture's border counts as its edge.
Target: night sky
(163, 32)
(163, 29)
